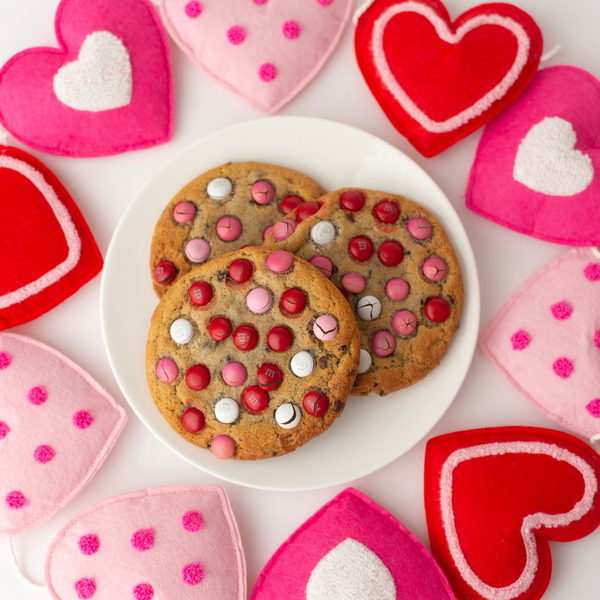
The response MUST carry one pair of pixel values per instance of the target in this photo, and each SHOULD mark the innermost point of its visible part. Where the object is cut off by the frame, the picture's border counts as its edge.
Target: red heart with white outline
(48, 251)
(493, 498)
(474, 67)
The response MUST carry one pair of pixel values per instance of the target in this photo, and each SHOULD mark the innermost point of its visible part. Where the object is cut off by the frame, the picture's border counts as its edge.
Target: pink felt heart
(536, 168)
(265, 52)
(108, 89)
(177, 542)
(546, 341)
(57, 425)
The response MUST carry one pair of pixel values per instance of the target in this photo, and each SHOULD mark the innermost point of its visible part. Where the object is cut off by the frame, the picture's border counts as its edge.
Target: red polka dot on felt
(85, 588)
(291, 30)
(520, 340)
(593, 408)
(143, 591)
(4, 429)
(267, 72)
(236, 35)
(43, 454)
(597, 338)
(592, 272)
(5, 360)
(561, 310)
(193, 573)
(88, 544)
(143, 539)
(192, 521)
(193, 9)
(37, 395)
(15, 500)
(82, 419)
(563, 367)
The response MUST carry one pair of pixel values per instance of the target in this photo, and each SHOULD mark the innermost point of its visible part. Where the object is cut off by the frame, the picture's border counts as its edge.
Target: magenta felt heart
(265, 52)
(107, 89)
(537, 162)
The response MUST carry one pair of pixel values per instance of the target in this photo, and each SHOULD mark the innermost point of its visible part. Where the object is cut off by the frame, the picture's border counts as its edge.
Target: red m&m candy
(315, 404)
(391, 253)
(164, 272)
(361, 248)
(197, 377)
(293, 301)
(307, 209)
(200, 293)
(386, 212)
(245, 337)
(289, 203)
(220, 329)
(192, 420)
(240, 270)
(352, 200)
(255, 398)
(437, 310)
(269, 377)
(280, 339)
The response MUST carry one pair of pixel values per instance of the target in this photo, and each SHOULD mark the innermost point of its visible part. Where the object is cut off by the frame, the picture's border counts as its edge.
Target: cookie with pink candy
(395, 265)
(222, 210)
(252, 354)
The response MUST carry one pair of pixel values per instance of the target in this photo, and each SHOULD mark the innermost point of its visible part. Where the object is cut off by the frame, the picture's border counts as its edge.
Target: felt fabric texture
(264, 52)
(107, 89)
(196, 551)
(536, 166)
(57, 425)
(474, 67)
(351, 548)
(546, 341)
(48, 251)
(493, 497)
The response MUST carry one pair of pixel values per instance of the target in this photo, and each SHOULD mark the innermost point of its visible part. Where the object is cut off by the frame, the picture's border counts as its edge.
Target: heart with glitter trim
(493, 499)
(474, 66)
(264, 52)
(107, 89)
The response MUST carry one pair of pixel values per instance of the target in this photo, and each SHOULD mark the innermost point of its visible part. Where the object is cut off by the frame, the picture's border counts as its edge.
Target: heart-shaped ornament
(48, 251)
(494, 497)
(439, 81)
(536, 165)
(264, 52)
(108, 89)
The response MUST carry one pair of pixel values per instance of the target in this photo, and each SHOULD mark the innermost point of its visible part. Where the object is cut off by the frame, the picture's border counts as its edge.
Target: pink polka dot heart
(265, 52)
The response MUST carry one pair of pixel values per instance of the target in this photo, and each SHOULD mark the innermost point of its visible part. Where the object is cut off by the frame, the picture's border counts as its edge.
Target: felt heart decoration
(107, 89)
(474, 67)
(352, 548)
(536, 165)
(176, 542)
(493, 499)
(264, 52)
(48, 251)
(546, 341)
(57, 425)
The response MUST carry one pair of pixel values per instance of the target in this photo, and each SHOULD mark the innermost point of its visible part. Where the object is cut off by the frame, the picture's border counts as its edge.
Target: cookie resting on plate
(252, 354)
(220, 211)
(397, 269)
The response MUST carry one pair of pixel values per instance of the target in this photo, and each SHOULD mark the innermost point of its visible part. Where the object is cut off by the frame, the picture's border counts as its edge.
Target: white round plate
(372, 431)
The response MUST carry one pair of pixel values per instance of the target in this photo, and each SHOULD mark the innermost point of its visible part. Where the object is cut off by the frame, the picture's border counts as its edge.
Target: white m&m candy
(219, 188)
(227, 410)
(288, 416)
(365, 361)
(368, 308)
(323, 232)
(303, 364)
(181, 331)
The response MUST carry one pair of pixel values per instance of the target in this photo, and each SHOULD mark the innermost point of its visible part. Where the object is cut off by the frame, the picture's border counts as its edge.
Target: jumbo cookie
(223, 210)
(397, 269)
(252, 354)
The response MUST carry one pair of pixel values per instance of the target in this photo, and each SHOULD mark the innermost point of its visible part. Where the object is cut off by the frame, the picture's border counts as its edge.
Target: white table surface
(103, 187)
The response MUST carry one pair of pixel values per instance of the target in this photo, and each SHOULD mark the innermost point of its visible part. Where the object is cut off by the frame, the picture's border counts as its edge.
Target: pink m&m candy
(184, 212)
(267, 232)
(383, 343)
(419, 228)
(263, 192)
(197, 250)
(223, 447)
(229, 229)
(325, 328)
(434, 269)
(397, 289)
(323, 264)
(166, 370)
(234, 374)
(259, 300)
(279, 262)
(283, 229)
(404, 322)
(353, 283)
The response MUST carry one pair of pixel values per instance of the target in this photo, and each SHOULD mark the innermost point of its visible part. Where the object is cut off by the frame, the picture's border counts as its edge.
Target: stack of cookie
(254, 350)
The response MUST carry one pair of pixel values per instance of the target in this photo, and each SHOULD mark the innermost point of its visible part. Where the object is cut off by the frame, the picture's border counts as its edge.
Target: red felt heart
(48, 251)
(439, 81)
(494, 497)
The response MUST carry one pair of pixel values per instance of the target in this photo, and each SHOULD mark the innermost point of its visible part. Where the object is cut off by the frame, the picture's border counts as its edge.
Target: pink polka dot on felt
(291, 30)
(37, 395)
(236, 35)
(43, 454)
(192, 521)
(85, 588)
(82, 419)
(16, 500)
(563, 367)
(592, 272)
(4, 429)
(520, 340)
(143, 539)
(5, 360)
(597, 338)
(324, 2)
(267, 72)
(593, 408)
(561, 310)
(89, 544)
(193, 9)
(143, 591)
(193, 573)
(260, 2)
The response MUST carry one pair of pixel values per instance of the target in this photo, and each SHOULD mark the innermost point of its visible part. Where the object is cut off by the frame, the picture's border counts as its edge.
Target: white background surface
(103, 187)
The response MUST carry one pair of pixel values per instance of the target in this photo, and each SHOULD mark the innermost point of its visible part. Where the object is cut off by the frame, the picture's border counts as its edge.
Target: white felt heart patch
(100, 79)
(547, 161)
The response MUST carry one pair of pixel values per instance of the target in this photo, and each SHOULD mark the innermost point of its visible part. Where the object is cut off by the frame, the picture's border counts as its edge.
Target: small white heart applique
(100, 79)
(547, 162)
